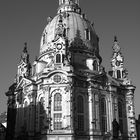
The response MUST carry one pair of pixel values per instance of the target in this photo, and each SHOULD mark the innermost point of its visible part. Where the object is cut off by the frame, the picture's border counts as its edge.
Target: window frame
(120, 115)
(58, 60)
(87, 34)
(57, 103)
(103, 109)
(57, 111)
(80, 114)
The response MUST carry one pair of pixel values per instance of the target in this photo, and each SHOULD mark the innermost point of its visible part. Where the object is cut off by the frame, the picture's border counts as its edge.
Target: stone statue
(116, 129)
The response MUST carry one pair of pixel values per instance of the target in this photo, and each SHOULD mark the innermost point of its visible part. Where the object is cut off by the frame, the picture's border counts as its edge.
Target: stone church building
(66, 94)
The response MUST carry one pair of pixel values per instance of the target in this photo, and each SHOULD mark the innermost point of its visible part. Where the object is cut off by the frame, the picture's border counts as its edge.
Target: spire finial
(25, 55)
(115, 39)
(116, 46)
(25, 47)
(25, 44)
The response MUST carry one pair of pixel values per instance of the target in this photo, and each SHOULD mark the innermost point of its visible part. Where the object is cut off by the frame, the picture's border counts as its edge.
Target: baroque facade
(66, 94)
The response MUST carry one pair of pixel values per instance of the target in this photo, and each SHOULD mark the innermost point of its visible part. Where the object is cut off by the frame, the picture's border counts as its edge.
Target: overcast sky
(24, 21)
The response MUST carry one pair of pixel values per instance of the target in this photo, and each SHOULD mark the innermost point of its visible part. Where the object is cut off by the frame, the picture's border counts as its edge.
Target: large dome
(75, 25)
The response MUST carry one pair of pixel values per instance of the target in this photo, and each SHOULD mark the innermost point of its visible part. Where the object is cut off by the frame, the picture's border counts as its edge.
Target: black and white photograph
(69, 70)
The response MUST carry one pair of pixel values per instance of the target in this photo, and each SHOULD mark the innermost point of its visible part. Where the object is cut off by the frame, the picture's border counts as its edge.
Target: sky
(24, 21)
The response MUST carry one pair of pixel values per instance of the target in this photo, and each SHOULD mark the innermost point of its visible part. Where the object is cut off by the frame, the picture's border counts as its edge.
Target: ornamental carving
(58, 78)
(50, 48)
(60, 30)
(67, 88)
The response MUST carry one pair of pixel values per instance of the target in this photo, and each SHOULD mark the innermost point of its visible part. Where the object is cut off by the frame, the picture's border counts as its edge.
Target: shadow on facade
(25, 128)
(138, 127)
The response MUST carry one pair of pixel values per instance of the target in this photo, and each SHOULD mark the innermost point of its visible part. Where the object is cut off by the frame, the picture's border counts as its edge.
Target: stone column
(90, 105)
(130, 109)
(47, 108)
(71, 109)
(110, 111)
(96, 110)
(90, 102)
(112, 114)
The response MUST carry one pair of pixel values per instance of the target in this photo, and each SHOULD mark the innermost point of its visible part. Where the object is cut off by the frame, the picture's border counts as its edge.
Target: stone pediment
(24, 82)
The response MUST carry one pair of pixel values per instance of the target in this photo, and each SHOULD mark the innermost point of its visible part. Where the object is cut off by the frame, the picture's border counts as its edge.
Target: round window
(59, 46)
(57, 78)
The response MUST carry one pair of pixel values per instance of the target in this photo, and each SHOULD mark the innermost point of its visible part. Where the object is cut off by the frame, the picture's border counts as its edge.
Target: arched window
(80, 104)
(95, 65)
(41, 105)
(44, 38)
(57, 111)
(103, 115)
(120, 113)
(41, 112)
(80, 113)
(87, 34)
(58, 58)
(57, 102)
(118, 74)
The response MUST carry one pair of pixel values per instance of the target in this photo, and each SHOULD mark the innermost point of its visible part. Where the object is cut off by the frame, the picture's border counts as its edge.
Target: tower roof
(116, 47)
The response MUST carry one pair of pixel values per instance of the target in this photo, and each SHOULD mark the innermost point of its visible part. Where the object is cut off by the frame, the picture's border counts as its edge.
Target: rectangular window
(81, 122)
(58, 58)
(118, 74)
(44, 38)
(57, 121)
(87, 34)
(104, 124)
(57, 106)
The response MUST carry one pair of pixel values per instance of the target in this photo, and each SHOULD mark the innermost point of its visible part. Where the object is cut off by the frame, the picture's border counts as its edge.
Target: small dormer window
(33, 70)
(95, 65)
(44, 38)
(87, 34)
(58, 58)
(118, 74)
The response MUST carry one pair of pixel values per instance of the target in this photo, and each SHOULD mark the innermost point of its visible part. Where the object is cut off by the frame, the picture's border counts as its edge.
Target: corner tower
(120, 73)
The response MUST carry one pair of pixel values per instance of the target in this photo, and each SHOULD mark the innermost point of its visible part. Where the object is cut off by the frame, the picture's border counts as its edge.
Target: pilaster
(130, 109)
(90, 104)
